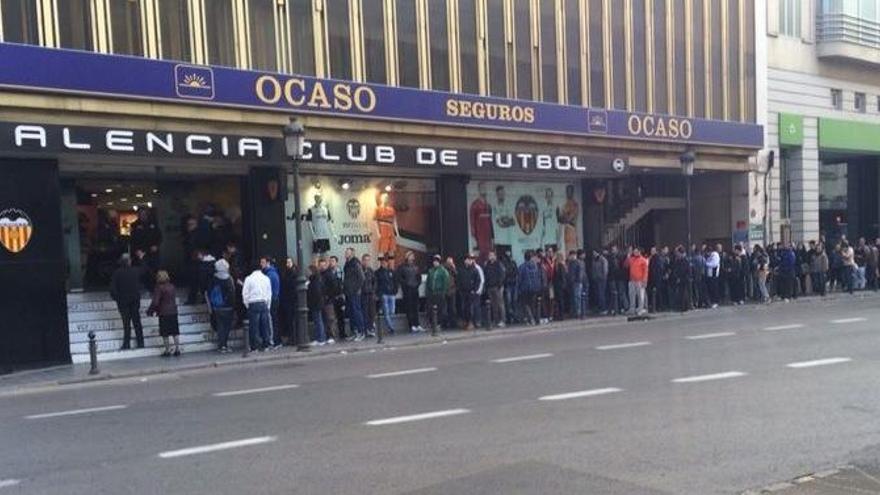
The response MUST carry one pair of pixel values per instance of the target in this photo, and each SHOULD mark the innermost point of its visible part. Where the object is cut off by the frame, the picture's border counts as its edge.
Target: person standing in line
(737, 276)
(560, 287)
(698, 270)
(547, 263)
(386, 286)
(268, 268)
(847, 255)
(575, 271)
(624, 303)
(468, 282)
(787, 264)
(495, 277)
(368, 295)
(874, 266)
(510, 298)
(481, 293)
(762, 270)
(819, 269)
(436, 286)
(681, 280)
(352, 287)
(332, 289)
(164, 304)
(257, 297)
(638, 282)
(288, 301)
(125, 289)
(146, 237)
(861, 260)
(599, 274)
(528, 284)
(409, 279)
(221, 301)
(315, 301)
(713, 274)
(452, 303)
(339, 299)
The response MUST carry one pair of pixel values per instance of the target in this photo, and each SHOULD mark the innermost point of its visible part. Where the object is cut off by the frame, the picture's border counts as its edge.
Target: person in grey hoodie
(221, 302)
(599, 276)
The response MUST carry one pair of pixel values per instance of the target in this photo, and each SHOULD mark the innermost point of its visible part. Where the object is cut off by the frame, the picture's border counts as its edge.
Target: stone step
(116, 354)
(102, 335)
(104, 295)
(113, 313)
(150, 341)
(115, 323)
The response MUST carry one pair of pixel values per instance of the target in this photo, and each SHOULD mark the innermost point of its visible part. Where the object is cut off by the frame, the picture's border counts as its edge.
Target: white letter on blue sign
(23, 132)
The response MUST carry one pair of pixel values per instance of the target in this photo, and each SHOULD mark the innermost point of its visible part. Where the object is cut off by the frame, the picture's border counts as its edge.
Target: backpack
(216, 297)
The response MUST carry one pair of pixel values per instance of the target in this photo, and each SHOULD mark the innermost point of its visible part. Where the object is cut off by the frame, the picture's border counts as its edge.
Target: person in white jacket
(713, 272)
(256, 294)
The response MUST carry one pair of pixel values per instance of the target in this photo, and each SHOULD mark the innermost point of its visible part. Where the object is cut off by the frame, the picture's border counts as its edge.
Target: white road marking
(75, 412)
(402, 373)
(784, 327)
(416, 417)
(522, 358)
(848, 320)
(583, 393)
(8, 483)
(710, 335)
(622, 346)
(232, 393)
(706, 378)
(819, 362)
(204, 449)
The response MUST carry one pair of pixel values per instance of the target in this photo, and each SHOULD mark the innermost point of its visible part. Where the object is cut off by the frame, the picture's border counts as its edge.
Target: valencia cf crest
(527, 214)
(16, 230)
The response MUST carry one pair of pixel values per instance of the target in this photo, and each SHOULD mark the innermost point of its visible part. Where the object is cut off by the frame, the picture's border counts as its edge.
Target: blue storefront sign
(35, 68)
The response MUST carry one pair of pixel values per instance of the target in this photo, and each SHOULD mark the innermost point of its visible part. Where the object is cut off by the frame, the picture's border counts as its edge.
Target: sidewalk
(55, 376)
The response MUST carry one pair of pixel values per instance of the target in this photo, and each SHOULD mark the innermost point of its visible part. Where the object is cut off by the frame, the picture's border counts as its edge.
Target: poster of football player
(371, 215)
(523, 216)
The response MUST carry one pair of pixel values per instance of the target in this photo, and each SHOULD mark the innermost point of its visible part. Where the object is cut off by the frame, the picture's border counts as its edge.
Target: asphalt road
(721, 401)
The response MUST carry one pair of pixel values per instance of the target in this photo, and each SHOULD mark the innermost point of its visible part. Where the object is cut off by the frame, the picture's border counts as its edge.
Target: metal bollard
(380, 320)
(487, 314)
(93, 354)
(540, 310)
(434, 323)
(246, 338)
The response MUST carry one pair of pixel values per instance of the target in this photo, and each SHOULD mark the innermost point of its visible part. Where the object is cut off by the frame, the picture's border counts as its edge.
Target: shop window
(74, 24)
(618, 56)
(261, 15)
(573, 50)
(301, 37)
(497, 49)
(549, 68)
(374, 215)
(860, 103)
(640, 75)
(467, 12)
(661, 68)
(439, 36)
(374, 41)
(597, 55)
(339, 38)
(20, 21)
(522, 23)
(174, 26)
(407, 43)
(125, 20)
(520, 216)
(837, 98)
(219, 26)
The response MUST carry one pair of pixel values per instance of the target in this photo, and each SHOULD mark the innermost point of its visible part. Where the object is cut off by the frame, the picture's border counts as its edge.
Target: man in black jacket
(352, 286)
(495, 276)
(125, 289)
(332, 290)
(368, 295)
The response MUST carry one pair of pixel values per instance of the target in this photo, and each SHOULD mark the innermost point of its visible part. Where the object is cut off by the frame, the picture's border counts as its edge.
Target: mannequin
(321, 226)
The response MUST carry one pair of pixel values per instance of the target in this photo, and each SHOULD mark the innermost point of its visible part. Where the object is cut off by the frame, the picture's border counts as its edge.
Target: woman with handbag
(164, 304)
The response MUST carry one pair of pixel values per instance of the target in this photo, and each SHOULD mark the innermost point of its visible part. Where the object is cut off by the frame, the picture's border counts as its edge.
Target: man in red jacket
(638, 280)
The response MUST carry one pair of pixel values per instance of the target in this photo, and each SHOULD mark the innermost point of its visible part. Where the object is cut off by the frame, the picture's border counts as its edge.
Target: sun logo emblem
(195, 81)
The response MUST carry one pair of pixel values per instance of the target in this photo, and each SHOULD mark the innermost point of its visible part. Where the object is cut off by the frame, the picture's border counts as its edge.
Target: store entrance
(163, 223)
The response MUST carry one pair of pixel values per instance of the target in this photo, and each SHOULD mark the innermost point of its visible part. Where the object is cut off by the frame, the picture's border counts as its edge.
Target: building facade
(433, 126)
(823, 119)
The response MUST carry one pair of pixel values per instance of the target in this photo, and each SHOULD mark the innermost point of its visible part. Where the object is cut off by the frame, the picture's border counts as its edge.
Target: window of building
(661, 67)
(597, 54)
(640, 75)
(339, 38)
(74, 24)
(439, 32)
(522, 33)
(407, 43)
(301, 37)
(125, 21)
(264, 52)
(573, 52)
(20, 21)
(374, 41)
(174, 26)
(618, 55)
(219, 26)
(497, 48)
(680, 76)
(549, 69)
(716, 62)
(467, 12)
(733, 68)
(698, 46)
(790, 18)
(749, 59)
(837, 99)
(878, 103)
(860, 103)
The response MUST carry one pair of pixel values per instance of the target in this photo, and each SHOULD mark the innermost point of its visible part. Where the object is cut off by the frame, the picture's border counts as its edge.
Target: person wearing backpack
(221, 301)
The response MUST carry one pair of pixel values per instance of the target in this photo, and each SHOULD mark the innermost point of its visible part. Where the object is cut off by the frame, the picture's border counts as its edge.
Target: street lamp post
(687, 160)
(294, 140)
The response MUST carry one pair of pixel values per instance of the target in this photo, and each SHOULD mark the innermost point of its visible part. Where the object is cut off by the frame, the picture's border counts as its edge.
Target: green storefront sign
(844, 135)
(791, 130)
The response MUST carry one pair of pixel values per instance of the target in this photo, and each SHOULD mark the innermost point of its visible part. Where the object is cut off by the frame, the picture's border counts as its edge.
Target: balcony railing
(836, 28)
